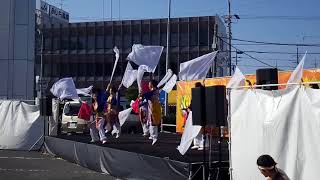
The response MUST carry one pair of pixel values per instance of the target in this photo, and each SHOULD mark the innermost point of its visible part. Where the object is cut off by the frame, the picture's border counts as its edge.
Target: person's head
(266, 165)
(152, 84)
(112, 90)
(198, 84)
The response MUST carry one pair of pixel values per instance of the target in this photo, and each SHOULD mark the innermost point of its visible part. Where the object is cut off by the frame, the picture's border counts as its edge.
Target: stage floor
(165, 147)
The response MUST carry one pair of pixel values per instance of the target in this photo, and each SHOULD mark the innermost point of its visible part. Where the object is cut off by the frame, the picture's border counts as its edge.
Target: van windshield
(72, 109)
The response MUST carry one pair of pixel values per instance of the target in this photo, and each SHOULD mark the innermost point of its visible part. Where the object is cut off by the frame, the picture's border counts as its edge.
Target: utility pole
(167, 59)
(230, 35)
(110, 10)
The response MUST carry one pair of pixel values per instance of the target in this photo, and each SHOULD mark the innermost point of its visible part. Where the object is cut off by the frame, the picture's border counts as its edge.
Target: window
(117, 36)
(108, 37)
(126, 36)
(163, 34)
(174, 36)
(82, 38)
(155, 34)
(136, 34)
(99, 38)
(64, 39)
(184, 38)
(73, 38)
(203, 33)
(193, 34)
(145, 34)
(90, 37)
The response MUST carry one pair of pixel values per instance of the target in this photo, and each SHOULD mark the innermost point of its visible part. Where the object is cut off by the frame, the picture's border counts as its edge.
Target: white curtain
(284, 124)
(20, 126)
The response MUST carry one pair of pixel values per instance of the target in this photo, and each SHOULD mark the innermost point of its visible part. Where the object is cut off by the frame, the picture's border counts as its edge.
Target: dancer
(154, 110)
(143, 116)
(97, 127)
(111, 112)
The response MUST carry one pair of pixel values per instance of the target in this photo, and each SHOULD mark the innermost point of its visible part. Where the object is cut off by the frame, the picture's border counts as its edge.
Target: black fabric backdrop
(118, 163)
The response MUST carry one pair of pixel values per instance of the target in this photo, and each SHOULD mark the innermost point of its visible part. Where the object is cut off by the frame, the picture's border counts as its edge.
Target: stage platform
(132, 156)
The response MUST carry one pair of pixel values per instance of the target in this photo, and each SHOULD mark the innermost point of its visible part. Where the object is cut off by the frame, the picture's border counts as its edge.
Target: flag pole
(167, 61)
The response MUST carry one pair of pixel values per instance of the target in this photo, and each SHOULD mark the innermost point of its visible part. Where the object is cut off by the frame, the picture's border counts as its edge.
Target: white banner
(170, 84)
(146, 55)
(64, 89)
(297, 74)
(165, 78)
(283, 124)
(123, 115)
(189, 133)
(197, 68)
(238, 79)
(85, 91)
(130, 75)
(117, 54)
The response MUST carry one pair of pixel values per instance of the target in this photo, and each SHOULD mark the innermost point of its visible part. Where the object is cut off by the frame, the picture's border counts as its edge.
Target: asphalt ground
(23, 165)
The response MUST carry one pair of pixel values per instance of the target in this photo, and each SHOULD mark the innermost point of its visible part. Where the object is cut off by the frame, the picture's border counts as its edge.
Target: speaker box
(198, 106)
(46, 106)
(216, 105)
(267, 76)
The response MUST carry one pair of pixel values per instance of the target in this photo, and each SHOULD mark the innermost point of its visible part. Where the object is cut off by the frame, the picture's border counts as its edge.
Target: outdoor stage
(132, 156)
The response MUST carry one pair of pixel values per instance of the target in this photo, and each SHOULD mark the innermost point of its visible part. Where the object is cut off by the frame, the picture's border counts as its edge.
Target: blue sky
(283, 21)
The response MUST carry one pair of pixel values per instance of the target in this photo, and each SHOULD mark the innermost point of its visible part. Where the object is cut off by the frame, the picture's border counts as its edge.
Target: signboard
(58, 13)
(184, 89)
(53, 11)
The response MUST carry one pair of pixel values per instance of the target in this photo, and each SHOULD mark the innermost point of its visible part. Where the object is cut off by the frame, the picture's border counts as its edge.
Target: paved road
(22, 165)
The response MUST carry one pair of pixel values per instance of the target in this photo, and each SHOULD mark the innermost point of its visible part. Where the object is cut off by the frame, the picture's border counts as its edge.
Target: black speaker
(198, 106)
(216, 105)
(267, 76)
(46, 106)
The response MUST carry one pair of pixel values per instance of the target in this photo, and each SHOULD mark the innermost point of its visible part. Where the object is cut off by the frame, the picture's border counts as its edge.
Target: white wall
(17, 29)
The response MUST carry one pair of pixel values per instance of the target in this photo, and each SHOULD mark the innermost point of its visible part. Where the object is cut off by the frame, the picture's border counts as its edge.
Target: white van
(70, 122)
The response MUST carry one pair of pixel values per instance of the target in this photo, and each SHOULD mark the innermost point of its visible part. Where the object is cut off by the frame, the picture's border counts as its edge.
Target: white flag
(238, 79)
(189, 133)
(165, 78)
(130, 75)
(64, 89)
(146, 55)
(116, 50)
(123, 115)
(196, 68)
(85, 91)
(297, 74)
(170, 84)
(141, 70)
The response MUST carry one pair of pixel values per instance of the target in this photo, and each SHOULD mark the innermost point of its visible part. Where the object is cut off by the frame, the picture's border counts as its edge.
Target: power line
(272, 43)
(245, 52)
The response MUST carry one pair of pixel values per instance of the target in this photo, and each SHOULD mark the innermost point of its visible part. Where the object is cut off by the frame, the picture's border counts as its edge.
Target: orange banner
(184, 89)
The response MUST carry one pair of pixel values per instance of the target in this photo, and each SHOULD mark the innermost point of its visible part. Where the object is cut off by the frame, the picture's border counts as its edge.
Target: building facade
(17, 40)
(84, 50)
